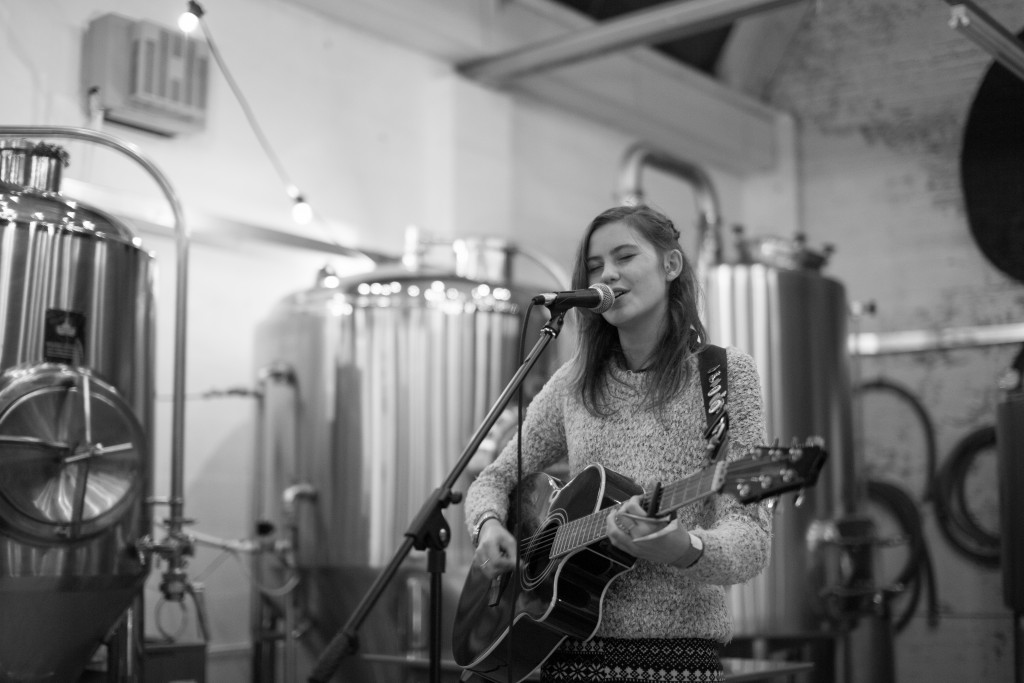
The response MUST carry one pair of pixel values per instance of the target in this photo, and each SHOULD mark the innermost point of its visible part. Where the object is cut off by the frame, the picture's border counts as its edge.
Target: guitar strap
(713, 370)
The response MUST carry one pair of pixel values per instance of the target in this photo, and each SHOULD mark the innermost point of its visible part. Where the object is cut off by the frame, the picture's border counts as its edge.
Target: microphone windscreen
(607, 297)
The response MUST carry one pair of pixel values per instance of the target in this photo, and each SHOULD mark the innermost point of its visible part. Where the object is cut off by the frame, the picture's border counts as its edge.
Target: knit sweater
(652, 600)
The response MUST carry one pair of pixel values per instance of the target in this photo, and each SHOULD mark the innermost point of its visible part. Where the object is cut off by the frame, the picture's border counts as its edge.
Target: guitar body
(559, 597)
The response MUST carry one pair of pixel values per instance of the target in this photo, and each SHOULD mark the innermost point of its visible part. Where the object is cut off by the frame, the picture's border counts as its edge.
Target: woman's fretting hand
(648, 538)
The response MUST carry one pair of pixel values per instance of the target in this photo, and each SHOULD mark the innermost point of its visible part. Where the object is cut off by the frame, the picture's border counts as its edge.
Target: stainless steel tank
(379, 381)
(76, 401)
(775, 304)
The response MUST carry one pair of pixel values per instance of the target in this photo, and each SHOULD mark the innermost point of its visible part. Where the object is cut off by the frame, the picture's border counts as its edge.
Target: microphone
(598, 298)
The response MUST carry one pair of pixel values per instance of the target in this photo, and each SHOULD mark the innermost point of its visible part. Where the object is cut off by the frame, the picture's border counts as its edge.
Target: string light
(190, 19)
(302, 212)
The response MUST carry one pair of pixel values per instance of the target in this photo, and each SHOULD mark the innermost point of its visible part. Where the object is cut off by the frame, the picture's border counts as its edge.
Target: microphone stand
(429, 531)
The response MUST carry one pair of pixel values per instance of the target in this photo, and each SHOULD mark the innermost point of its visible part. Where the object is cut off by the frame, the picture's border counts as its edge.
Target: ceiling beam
(652, 26)
(756, 47)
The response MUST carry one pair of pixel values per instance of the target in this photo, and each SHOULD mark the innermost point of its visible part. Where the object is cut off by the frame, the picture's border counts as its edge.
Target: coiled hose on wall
(952, 512)
(918, 569)
(927, 429)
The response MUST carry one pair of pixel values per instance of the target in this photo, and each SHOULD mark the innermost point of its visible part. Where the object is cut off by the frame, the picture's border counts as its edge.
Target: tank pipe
(554, 270)
(916, 341)
(293, 493)
(709, 239)
(289, 497)
(264, 656)
(177, 549)
(290, 656)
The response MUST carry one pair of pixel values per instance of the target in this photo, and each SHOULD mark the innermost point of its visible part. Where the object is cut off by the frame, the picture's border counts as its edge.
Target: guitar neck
(581, 532)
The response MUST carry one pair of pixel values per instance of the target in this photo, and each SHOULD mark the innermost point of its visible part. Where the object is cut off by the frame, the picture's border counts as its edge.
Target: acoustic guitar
(567, 562)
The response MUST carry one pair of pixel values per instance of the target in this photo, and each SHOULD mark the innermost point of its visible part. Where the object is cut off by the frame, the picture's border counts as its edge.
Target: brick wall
(881, 91)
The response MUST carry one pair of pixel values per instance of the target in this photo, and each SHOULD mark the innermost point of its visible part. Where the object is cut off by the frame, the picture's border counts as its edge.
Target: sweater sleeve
(544, 443)
(737, 544)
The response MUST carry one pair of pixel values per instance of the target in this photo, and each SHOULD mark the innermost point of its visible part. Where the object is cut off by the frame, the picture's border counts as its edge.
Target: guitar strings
(543, 542)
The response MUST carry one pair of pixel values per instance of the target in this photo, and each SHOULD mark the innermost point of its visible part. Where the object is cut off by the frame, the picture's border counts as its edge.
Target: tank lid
(30, 177)
(38, 166)
(46, 167)
(14, 160)
(483, 258)
(472, 257)
(781, 252)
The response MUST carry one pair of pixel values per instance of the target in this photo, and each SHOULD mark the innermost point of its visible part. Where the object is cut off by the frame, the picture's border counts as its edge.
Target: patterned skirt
(628, 660)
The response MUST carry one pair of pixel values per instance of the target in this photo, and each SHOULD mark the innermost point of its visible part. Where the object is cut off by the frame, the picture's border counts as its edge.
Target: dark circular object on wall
(992, 169)
(957, 521)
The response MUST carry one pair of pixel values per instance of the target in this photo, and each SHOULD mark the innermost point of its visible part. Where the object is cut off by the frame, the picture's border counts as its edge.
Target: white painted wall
(377, 136)
(380, 132)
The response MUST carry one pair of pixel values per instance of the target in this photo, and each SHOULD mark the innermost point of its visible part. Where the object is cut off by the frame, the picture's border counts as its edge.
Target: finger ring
(484, 562)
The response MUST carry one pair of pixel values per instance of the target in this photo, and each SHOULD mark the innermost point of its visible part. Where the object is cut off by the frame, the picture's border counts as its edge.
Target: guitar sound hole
(534, 569)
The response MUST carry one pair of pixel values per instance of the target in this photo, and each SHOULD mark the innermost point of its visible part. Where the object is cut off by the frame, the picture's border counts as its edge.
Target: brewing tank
(776, 305)
(374, 385)
(76, 403)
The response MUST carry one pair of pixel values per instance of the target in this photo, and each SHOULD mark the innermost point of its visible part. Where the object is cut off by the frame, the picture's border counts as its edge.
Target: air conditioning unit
(145, 75)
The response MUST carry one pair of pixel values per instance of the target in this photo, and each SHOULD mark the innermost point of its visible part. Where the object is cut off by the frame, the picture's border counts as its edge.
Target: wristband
(479, 526)
(697, 544)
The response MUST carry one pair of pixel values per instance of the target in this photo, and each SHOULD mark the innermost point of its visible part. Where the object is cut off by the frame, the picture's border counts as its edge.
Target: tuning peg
(795, 452)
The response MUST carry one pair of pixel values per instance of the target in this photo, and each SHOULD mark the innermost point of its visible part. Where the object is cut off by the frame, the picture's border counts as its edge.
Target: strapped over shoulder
(713, 368)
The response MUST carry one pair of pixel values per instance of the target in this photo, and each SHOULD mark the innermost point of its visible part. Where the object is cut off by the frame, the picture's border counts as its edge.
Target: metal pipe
(709, 239)
(989, 35)
(264, 642)
(177, 500)
(913, 341)
(646, 27)
(290, 656)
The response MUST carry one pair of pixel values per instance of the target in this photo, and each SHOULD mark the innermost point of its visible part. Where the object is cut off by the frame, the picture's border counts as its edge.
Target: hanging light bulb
(189, 19)
(302, 212)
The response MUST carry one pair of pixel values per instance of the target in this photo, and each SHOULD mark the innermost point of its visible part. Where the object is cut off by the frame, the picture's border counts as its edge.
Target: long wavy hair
(683, 335)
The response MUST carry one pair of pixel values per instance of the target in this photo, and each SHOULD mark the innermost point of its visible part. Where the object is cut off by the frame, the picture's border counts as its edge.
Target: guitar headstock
(773, 470)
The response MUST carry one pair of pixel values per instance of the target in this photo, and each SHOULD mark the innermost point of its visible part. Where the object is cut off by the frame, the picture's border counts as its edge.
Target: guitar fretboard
(579, 533)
